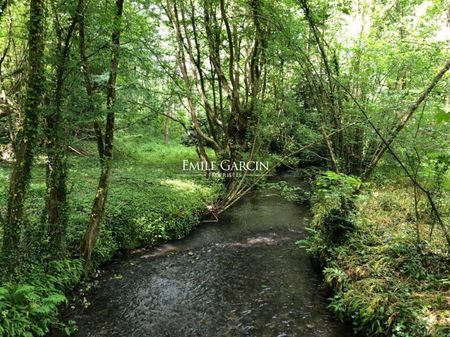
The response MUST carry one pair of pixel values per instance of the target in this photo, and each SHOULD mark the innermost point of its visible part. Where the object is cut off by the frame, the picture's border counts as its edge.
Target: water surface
(242, 276)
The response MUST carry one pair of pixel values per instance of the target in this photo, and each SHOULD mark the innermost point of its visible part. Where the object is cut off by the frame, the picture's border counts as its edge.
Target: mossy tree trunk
(26, 138)
(105, 146)
(56, 168)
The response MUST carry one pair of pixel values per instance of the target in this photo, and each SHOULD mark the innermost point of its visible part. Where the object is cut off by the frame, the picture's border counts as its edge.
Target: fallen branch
(79, 152)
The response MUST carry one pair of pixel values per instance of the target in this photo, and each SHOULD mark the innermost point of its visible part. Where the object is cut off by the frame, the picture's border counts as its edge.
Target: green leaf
(442, 116)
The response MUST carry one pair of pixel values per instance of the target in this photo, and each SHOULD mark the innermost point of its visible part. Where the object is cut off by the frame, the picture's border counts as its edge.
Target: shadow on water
(242, 276)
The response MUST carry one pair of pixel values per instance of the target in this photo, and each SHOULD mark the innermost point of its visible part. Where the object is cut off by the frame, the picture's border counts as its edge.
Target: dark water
(243, 276)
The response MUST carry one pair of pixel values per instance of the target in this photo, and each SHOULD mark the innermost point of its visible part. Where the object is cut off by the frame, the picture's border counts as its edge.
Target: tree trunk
(105, 146)
(326, 139)
(26, 138)
(56, 168)
(332, 95)
(166, 130)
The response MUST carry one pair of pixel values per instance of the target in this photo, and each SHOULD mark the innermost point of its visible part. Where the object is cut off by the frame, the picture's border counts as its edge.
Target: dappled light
(224, 168)
(185, 185)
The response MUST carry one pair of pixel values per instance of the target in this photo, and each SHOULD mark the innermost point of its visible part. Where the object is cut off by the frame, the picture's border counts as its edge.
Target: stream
(241, 276)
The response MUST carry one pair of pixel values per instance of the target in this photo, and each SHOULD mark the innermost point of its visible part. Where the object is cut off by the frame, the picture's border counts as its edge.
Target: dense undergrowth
(28, 308)
(384, 281)
(150, 201)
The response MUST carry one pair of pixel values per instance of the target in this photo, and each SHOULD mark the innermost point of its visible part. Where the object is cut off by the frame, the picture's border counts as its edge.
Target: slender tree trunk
(105, 147)
(56, 168)
(333, 161)
(166, 132)
(56, 174)
(332, 93)
(27, 136)
(357, 151)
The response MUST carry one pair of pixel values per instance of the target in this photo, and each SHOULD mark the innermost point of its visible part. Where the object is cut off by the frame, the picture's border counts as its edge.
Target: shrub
(332, 205)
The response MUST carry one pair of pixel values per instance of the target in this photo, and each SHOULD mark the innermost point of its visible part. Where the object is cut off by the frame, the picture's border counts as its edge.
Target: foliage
(332, 205)
(287, 191)
(384, 282)
(30, 309)
(150, 202)
(307, 82)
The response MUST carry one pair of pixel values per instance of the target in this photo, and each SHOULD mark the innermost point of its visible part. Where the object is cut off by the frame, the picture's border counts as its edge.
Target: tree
(56, 166)
(404, 118)
(105, 144)
(226, 82)
(26, 138)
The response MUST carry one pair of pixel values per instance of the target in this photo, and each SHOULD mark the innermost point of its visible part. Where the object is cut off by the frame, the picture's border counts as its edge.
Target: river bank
(383, 280)
(149, 202)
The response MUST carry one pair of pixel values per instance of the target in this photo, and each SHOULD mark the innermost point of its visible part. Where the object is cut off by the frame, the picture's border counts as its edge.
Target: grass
(150, 198)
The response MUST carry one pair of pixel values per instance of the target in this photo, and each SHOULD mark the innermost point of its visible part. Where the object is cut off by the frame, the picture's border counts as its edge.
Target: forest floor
(150, 199)
(384, 282)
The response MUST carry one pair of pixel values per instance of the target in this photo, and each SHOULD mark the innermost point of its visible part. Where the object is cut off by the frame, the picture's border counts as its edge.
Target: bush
(332, 205)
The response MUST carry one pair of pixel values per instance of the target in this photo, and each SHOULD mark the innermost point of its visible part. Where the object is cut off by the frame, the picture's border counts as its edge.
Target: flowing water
(242, 276)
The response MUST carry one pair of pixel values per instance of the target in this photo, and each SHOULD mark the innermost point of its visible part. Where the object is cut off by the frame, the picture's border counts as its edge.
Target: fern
(30, 309)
